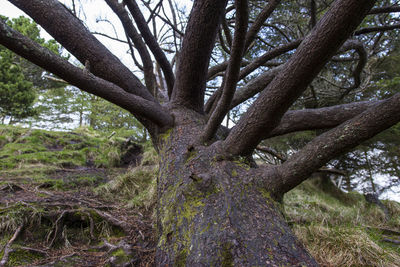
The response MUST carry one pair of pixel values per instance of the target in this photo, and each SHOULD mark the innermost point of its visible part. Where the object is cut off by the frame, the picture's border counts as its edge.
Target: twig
(56, 231)
(7, 248)
(35, 250)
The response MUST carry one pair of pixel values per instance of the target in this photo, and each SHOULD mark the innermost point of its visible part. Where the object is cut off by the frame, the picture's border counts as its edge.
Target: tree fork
(212, 212)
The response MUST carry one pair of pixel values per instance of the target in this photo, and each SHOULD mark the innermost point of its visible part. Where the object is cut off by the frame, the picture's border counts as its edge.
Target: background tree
(22, 81)
(215, 205)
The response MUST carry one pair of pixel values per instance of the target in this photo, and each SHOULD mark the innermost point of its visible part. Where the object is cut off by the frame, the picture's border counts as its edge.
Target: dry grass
(334, 228)
(344, 247)
(136, 187)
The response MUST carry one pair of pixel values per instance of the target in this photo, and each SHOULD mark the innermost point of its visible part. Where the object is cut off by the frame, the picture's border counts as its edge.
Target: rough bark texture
(212, 213)
(213, 208)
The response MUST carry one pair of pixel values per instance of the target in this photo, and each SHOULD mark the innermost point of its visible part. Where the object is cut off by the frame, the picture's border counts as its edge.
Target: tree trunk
(210, 213)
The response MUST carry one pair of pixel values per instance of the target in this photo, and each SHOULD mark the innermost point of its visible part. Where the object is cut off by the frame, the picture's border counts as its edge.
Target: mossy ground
(74, 171)
(52, 183)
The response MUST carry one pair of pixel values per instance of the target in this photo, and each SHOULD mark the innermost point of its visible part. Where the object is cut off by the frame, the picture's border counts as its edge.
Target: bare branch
(7, 248)
(319, 118)
(131, 32)
(231, 76)
(385, 9)
(272, 152)
(76, 38)
(256, 63)
(152, 43)
(377, 29)
(336, 141)
(317, 48)
(283, 158)
(313, 13)
(261, 18)
(195, 54)
(110, 37)
(362, 61)
(81, 78)
(220, 68)
(254, 86)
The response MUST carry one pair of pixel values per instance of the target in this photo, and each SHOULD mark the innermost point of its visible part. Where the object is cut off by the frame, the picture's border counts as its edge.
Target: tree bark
(211, 212)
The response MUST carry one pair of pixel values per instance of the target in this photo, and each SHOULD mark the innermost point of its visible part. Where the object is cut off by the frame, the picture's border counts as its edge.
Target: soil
(75, 208)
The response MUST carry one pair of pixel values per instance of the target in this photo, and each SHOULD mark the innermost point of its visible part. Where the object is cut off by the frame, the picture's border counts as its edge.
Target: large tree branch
(316, 49)
(362, 61)
(152, 43)
(256, 63)
(196, 51)
(336, 141)
(81, 78)
(232, 74)
(383, 28)
(385, 9)
(131, 32)
(319, 118)
(258, 23)
(254, 86)
(61, 24)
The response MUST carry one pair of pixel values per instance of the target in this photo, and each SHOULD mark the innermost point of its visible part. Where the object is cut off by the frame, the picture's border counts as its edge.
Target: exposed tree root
(10, 187)
(7, 248)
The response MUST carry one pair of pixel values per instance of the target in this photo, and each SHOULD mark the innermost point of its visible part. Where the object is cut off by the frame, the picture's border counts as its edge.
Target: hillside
(67, 200)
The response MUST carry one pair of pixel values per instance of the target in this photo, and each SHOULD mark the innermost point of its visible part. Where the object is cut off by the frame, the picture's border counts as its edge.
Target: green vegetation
(27, 152)
(339, 229)
(342, 229)
(21, 81)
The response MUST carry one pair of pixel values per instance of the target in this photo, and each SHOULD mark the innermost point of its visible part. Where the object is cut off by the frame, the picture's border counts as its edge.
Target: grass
(342, 229)
(135, 188)
(22, 148)
(339, 229)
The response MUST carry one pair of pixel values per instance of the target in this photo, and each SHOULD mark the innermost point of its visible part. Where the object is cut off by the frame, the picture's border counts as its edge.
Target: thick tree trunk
(210, 213)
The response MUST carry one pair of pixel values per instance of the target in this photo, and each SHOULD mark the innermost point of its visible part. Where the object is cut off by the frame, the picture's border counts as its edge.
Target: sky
(120, 50)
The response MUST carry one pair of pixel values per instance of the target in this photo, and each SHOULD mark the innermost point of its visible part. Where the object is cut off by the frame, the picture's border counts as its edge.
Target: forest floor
(65, 202)
(55, 210)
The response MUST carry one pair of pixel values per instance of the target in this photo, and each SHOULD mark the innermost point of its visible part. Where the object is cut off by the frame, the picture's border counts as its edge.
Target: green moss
(180, 259)
(226, 255)
(234, 173)
(241, 162)
(191, 155)
(121, 256)
(165, 136)
(22, 257)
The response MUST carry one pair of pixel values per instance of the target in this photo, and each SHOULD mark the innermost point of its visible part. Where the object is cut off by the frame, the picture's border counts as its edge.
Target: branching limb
(152, 43)
(231, 77)
(256, 63)
(283, 158)
(258, 23)
(336, 141)
(318, 47)
(82, 79)
(377, 29)
(385, 9)
(196, 51)
(362, 61)
(320, 118)
(76, 38)
(227, 32)
(215, 70)
(254, 86)
(131, 32)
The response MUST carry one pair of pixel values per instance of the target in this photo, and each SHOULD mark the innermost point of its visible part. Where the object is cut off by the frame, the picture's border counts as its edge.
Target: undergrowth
(342, 229)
